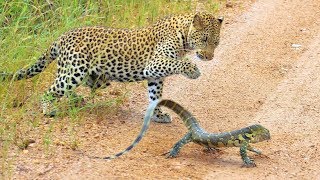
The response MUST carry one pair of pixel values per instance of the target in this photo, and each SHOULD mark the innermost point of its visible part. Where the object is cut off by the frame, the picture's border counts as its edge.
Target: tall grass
(27, 27)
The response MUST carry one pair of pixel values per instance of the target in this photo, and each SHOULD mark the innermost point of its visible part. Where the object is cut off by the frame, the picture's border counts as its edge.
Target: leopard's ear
(197, 22)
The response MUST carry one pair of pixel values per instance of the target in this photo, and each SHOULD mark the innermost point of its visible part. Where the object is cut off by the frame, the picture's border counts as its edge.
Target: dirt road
(257, 76)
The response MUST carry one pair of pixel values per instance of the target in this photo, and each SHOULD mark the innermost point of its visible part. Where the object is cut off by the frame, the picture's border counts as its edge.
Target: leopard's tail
(145, 126)
(50, 55)
(186, 116)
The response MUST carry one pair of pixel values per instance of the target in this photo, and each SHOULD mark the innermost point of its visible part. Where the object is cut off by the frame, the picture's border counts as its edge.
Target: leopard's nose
(205, 55)
(209, 56)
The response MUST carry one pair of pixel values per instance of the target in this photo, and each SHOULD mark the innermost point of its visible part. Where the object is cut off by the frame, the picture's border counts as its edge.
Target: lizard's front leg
(250, 148)
(243, 152)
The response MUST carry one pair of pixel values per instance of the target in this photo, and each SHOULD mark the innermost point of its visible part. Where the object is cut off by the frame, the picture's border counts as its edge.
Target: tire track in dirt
(258, 77)
(293, 112)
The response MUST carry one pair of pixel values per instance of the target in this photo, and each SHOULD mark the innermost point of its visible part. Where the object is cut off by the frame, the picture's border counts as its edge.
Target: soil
(260, 74)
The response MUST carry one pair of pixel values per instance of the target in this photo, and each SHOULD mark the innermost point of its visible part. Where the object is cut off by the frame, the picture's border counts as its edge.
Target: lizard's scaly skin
(238, 138)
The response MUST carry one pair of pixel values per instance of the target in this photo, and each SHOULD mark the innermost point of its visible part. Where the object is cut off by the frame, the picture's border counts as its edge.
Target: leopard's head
(204, 35)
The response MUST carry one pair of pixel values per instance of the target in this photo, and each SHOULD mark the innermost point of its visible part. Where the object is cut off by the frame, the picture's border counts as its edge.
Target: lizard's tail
(50, 55)
(145, 126)
(188, 119)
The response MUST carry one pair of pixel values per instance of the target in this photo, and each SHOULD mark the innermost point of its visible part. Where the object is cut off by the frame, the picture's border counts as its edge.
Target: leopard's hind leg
(63, 85)
(95, 81)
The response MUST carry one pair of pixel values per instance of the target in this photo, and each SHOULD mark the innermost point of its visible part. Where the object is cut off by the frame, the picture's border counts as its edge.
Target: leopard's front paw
(192, 71)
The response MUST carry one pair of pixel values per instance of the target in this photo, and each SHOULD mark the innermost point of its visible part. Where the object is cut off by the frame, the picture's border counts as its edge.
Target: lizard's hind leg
(176, 148)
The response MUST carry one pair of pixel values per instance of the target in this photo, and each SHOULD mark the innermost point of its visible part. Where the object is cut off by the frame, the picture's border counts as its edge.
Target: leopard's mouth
(203, 57)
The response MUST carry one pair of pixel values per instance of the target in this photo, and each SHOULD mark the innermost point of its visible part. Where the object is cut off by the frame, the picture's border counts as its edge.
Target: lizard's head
(258, 133)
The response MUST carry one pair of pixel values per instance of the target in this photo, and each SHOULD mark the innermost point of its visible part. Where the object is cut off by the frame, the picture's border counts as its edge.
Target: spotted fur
(97, 55)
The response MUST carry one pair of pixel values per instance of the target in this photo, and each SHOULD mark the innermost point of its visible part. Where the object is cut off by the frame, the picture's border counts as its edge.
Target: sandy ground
(257, 76)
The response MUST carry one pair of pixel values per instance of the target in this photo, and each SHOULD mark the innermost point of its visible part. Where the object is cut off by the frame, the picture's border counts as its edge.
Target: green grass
(27, 27)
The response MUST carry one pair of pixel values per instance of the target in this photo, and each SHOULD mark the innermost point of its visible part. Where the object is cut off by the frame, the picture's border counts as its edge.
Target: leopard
(96, 55)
